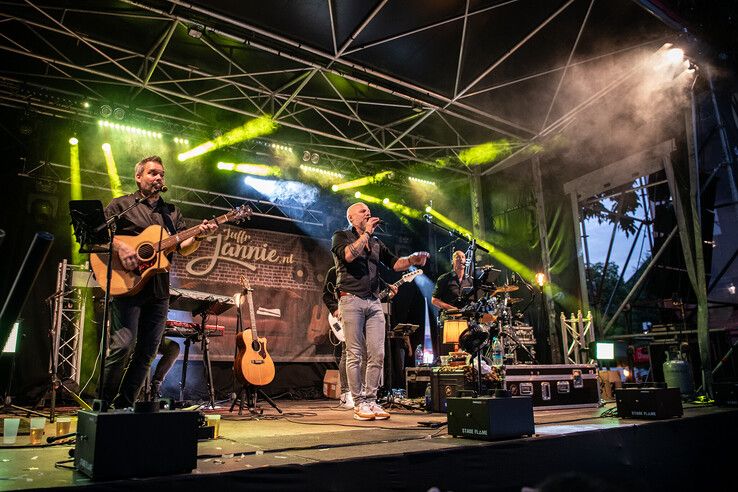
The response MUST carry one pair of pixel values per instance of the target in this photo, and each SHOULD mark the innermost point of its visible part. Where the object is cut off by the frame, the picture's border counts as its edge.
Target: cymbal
(506, 288)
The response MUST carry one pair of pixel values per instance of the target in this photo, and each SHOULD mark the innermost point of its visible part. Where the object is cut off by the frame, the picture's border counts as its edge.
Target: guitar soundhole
(255, 345)
(146, 251)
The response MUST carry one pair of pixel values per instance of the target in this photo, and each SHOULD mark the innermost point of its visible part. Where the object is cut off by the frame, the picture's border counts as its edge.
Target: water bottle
(419, 355)
(428, 398)
(496, 352)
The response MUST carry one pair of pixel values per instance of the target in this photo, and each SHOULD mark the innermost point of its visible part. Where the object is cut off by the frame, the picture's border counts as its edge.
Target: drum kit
(492, 316)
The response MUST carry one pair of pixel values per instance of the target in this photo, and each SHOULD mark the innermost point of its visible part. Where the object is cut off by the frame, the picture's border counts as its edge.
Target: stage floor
(314, 432)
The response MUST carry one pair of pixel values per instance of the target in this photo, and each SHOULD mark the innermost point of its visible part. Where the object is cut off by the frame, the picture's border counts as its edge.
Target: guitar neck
(172, 241)
(252, 315)
(386, 292)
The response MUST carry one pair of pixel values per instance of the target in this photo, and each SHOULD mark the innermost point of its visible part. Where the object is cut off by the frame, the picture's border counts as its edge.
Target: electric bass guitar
(337, 325)
(253, 364)
(152, 246)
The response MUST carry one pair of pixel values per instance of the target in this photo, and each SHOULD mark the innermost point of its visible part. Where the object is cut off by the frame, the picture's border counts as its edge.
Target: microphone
(163, 189)
(427, 217)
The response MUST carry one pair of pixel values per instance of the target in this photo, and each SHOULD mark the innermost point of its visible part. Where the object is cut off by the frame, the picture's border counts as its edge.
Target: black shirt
(450, 290)
(360, 277)
(330, 299)
(141, 216)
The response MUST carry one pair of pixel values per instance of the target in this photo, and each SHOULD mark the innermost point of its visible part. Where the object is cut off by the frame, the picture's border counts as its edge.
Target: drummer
(452, 290)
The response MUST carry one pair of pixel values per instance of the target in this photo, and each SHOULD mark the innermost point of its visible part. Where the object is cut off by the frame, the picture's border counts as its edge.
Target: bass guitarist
(137, 321)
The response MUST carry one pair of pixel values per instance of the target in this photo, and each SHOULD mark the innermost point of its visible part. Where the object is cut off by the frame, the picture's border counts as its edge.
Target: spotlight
(195, 31)
(357, 194)
(428, 209)
(731, 289)
(386, 201)
(314, 158)
(674, 55)
(106, 111)
(119, 113)
(106, 147)
(86, 105)
(73, 141)
(306, 156)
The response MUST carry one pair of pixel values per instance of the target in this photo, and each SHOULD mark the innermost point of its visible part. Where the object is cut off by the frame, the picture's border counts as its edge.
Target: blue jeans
(363, 323)
(136, 327)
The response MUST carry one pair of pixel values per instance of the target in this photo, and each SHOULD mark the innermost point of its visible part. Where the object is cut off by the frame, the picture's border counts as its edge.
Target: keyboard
(182, 329)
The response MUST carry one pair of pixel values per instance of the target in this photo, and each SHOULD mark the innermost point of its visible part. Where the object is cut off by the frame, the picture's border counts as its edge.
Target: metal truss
(69, 304)
(97, 180)
(336, 122)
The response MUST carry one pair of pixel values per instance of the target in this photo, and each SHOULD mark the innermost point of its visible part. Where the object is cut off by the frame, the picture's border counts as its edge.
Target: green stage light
(317, 170)
(248, 168)
(251, 129)
(386, 201)
(73, 141)
(426, 182)
(116, 187)
(106, 147)
(486, 152)
(356, 195)
(86, 105)
(428, 209)
(355, 183)
(75, 193)
(129, 129)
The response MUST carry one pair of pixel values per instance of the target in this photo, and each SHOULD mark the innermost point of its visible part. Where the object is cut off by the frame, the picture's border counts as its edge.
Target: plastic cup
(63, 425)
(37, 430)
(10, 430)
(214, 421)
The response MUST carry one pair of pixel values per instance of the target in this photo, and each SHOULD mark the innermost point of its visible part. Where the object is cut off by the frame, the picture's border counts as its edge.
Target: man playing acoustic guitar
(356, 253)
(137, 321)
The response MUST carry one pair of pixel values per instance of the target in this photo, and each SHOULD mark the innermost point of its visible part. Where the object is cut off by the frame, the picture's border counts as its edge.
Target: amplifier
(725, 393)
(445, 383)
(648, 403)
(125, 444)
(417, 380)
(490, 418)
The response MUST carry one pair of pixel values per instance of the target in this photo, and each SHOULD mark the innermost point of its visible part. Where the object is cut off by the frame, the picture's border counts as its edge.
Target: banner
(286, 273)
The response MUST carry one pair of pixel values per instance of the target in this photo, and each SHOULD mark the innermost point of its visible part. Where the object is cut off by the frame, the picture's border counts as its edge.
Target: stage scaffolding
(69, 307)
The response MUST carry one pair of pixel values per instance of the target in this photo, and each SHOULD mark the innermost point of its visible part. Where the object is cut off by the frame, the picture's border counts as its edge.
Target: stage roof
(398, 84)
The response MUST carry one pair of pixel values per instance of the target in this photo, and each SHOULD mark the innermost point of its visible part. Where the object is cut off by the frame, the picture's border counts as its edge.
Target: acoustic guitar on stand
(337, 325)
(152, 246)
(253, 364)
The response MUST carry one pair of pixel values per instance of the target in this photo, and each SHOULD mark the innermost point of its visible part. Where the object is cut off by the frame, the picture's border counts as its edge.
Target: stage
(318, 446)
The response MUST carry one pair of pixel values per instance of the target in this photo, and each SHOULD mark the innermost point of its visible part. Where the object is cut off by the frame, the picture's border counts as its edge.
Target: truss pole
(640, 280)
(547, 298)
(477, 206)
(576, 219)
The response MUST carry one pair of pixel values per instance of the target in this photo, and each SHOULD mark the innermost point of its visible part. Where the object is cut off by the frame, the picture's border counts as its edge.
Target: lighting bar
(317, 170)
(128, 129)
(426, 182)
(181, 141)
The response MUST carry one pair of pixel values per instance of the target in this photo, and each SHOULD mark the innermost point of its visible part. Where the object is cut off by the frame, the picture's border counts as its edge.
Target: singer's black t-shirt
(143, 215)
(360, 277)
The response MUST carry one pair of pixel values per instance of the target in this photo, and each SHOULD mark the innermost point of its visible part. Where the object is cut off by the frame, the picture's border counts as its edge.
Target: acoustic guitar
(337, 326)
(152, 246)
(253, 364)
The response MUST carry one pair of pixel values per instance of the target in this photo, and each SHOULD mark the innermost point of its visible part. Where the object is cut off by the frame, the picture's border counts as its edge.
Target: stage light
(181, 141)
(129, 129)
(316, 170)
(608, 352)
(355, 183)
(486, 152)
(386, 201)
(86, 105)
(731, 289)
(249, 130)
(73, 141)
(428, 209)
(248, 168)
(426, 182)
(106, 111)
(356, 195)
(11, 344)
(116, 187)
(540, 279)
(75, 192)
(674, 55)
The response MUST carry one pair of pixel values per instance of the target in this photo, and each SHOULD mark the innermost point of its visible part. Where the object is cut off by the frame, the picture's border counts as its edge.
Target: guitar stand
(251, 393)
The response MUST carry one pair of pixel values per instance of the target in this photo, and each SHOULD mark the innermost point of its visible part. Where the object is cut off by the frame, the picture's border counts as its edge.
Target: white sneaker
(347, 401)
(363, 412)
(379, 412)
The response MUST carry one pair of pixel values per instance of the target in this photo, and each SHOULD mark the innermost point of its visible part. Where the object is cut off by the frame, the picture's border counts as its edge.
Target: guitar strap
(167, 219)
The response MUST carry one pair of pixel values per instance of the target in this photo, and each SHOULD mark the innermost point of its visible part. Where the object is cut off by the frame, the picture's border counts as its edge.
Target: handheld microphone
(163, 189)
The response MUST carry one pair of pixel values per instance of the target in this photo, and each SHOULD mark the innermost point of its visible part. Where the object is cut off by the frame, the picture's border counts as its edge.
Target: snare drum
(452, 328)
